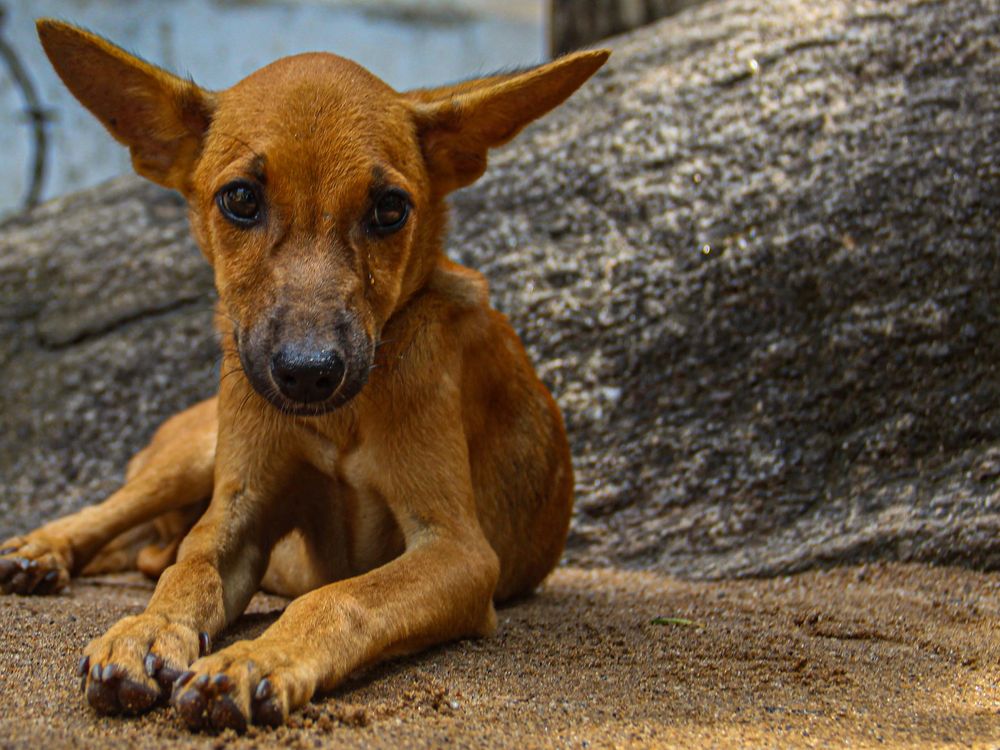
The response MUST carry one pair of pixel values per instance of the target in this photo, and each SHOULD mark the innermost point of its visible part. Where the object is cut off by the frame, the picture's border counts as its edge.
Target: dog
(380, 450)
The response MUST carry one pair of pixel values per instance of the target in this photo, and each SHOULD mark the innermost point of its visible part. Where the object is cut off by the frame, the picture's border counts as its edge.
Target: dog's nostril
(305, 374)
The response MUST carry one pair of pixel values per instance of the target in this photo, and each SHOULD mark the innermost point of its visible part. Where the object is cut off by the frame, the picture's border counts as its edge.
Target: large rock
(755, 259)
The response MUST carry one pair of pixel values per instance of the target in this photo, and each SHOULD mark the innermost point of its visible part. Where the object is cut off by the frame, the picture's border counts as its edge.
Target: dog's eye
(390, 212)
(238, 203)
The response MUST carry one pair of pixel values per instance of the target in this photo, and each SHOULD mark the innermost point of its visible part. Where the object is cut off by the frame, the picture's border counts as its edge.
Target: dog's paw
(34, 564)
(132, 667)
(248, 682)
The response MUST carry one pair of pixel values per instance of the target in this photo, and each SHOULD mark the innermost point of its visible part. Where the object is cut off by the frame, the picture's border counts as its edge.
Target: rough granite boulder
(756, 259)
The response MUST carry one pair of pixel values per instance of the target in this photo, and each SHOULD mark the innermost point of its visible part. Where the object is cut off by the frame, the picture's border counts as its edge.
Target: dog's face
(315, 190)
(312, 201)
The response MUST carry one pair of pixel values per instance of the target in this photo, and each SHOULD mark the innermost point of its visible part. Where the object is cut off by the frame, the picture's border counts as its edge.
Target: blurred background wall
(406, 42)
(49, 145)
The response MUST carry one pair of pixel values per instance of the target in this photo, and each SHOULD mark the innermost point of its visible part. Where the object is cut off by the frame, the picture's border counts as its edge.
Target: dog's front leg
(440, 588)
(218, 569)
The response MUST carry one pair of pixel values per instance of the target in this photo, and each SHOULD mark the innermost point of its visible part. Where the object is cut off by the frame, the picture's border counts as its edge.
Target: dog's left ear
(458, 124)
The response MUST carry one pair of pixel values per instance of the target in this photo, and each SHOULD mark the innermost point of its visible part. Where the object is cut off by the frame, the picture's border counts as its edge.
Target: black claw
(204, 643)
(222, 683)
(264, 690)
(201, 682)
(269, 713)
(152, 664)
(185, 678)
(83, 665)
(95, 673)
(26, 564)
(225, 715)
(111, 672)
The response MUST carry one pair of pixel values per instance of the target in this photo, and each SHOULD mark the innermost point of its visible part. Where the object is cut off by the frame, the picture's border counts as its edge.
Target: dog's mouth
(305, 379)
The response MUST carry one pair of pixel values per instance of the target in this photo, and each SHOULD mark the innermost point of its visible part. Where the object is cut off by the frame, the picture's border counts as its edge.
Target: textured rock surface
(755, 259)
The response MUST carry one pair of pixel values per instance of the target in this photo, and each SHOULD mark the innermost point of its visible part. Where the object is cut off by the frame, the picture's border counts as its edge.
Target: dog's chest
(352, 529)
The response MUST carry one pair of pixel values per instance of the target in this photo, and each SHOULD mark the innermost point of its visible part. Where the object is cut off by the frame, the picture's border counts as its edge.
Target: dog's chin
(303, 409)
(306, 408)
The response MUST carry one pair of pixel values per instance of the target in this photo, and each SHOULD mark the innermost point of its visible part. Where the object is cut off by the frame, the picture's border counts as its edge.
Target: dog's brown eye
(238, 203)
(391, 211)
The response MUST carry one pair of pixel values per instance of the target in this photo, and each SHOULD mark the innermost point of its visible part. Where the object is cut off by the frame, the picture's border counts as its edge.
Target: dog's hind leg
(149, 547)
(174, 473)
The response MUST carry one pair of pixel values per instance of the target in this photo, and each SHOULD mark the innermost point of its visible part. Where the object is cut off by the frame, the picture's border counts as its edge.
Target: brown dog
(380, 447)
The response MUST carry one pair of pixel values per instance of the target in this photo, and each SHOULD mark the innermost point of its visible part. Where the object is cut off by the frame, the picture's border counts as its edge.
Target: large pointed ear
(458, 124)
(160, 117)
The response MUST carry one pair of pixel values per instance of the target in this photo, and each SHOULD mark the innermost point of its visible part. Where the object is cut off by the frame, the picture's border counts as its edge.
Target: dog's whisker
(239, 409)
(231, 372)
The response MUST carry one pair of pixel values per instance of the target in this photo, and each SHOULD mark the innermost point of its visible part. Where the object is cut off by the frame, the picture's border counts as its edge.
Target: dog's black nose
(306, 375)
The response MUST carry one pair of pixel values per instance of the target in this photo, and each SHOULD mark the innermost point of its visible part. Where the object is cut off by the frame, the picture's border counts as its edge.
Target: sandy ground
(880, 656)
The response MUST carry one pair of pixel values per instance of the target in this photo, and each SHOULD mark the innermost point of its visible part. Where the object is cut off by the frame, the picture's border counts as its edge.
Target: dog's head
(315, 190)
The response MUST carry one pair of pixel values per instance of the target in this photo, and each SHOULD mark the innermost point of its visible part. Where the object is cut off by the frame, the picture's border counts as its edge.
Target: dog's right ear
(458, 124)
(160, 117)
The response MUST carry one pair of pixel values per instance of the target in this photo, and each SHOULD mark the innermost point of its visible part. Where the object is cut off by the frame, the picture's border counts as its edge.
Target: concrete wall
(217, 42)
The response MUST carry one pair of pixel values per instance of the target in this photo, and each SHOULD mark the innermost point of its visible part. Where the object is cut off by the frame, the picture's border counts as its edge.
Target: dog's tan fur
(394, 520)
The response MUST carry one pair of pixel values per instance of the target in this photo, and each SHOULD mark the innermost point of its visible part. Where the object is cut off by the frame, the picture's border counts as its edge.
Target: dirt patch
(885, 655)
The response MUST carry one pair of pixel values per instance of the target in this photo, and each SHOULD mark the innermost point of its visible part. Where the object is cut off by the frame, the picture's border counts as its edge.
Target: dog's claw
(82, 667)
(152, 664)
(204, 643)
(184, 679)
(267, 706)
(264, 690)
